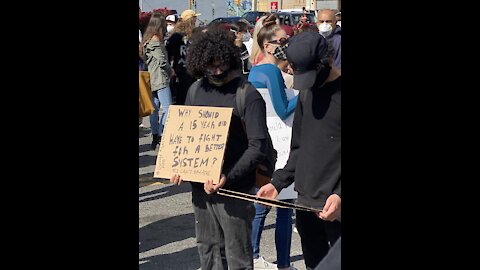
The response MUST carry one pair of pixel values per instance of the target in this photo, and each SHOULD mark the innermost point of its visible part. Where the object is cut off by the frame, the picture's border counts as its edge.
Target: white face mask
(339, 23)
(325, 29)
(246, 37)
(170, 28)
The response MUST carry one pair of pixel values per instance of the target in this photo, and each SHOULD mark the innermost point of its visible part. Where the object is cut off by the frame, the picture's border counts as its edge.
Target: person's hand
(268, 191)
(210, 188)
(331, 210)
(289, 69)
(176, 179)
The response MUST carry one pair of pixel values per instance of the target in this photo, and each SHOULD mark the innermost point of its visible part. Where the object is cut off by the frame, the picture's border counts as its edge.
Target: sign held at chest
(193, 143)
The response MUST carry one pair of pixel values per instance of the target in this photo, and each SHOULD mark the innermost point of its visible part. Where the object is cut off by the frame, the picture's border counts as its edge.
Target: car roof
(293, 13)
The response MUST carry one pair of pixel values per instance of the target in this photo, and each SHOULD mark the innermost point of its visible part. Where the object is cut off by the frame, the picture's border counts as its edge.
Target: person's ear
(266, 47)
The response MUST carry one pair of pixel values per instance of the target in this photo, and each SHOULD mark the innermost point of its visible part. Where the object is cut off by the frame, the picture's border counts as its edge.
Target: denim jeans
(223, 226)
(164, 97)
(283, 232)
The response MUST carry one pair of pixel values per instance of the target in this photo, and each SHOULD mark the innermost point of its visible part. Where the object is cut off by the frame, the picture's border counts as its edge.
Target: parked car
(225, 20)
(230, 20)
(292, 18)
(253, 16)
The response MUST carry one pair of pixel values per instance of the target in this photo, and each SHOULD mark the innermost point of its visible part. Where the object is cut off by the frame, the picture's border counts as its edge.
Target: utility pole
(213, 9)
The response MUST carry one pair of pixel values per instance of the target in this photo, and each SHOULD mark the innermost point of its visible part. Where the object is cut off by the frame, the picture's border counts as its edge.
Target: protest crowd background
(297, 67)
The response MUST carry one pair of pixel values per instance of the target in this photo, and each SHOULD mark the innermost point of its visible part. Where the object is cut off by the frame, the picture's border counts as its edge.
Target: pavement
(166, 220)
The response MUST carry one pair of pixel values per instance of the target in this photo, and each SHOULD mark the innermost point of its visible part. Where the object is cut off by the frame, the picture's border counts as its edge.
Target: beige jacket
(157, 62)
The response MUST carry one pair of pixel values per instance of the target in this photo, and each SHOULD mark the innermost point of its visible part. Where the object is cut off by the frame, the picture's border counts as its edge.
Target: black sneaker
(155, 141)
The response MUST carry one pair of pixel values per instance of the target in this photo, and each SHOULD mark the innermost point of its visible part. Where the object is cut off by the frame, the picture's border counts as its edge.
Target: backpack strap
(240, 99)
(192, 91)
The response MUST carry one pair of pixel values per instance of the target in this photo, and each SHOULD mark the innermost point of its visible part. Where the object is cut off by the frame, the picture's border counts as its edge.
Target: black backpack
(266, 168)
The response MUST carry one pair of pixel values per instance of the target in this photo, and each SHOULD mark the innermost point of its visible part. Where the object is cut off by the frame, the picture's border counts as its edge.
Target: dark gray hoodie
(336, 37)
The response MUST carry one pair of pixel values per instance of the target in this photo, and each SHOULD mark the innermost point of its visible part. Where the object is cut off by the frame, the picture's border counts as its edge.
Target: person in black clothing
(333, 260)
(314, 163)
(223, 225)
(240, 29)
(177, 46)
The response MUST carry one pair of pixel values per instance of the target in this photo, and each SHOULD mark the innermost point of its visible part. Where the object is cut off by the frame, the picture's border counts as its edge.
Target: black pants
(317, 236)
(184, 83)
(223, 227)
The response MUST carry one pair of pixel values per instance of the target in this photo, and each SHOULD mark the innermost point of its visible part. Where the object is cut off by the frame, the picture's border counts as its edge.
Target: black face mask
(219, 79)
(279, 52)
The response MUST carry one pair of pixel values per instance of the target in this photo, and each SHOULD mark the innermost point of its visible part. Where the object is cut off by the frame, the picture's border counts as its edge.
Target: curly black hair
(216, 43)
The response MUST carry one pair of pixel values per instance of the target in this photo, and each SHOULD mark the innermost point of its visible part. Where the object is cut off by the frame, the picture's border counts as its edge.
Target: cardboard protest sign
(193, 143)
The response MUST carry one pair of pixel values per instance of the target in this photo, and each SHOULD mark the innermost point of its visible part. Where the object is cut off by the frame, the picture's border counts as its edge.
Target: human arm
(211, 188)
(332, 208)
(270, 76)
(158, 52)
(283, 178)
(256, 130)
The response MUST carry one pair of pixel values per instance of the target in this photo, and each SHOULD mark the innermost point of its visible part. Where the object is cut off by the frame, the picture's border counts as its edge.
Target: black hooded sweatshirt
(315, 153)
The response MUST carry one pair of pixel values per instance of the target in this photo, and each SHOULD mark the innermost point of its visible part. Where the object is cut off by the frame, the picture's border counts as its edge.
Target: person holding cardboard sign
(314, 162)
(223, 225)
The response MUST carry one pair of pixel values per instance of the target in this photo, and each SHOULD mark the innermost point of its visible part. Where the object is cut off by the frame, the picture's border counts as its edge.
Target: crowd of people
(222, 58)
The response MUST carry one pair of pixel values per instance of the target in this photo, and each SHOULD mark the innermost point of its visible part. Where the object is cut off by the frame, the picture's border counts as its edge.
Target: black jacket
(315, 153)
(336, 38)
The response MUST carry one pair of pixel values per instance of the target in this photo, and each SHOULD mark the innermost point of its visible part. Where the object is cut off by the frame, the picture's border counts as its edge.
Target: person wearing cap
(338, 16)
(177, 46)
(314, 163)
(328, 28)
(171, 21)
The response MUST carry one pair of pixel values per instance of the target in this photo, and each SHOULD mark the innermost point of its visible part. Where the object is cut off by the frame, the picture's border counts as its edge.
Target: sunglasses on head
(281, 42)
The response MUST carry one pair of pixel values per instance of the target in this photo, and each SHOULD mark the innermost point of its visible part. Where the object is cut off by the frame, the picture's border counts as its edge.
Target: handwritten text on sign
(281, 133)
(193, 143)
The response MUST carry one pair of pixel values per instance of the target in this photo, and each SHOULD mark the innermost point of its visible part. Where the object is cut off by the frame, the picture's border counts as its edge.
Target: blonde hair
(255, 48)
(185, 27)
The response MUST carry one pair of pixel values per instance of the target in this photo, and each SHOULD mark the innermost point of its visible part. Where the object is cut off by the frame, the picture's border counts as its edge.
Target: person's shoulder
(267, 67)
(251, 92)
(338, 32)
(175, 37)
(265, 72)
(273, 70)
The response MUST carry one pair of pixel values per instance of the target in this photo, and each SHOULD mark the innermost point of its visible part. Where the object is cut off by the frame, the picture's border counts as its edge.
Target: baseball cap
(171, 18)
(187, 14)
(305, 51)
